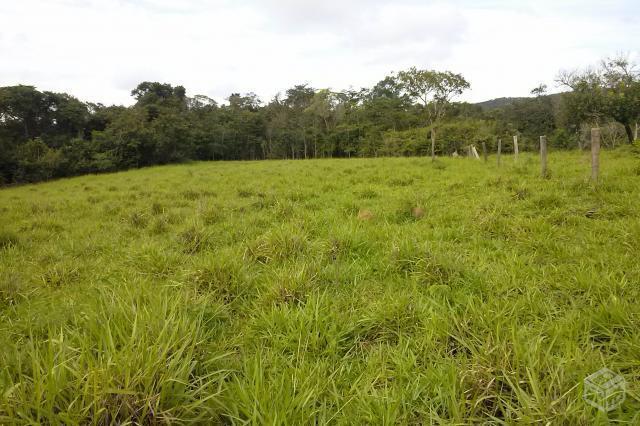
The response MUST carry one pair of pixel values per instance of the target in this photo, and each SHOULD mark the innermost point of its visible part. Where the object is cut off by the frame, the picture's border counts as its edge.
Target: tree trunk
(635, 135)
(543, 156)
(627, 129)
(515, 147)
(595, 153)
(304, 140)
(484, 151)
(433, 144)
(499, 150)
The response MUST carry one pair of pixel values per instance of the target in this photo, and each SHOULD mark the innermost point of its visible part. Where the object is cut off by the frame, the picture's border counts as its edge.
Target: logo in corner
(604, 390)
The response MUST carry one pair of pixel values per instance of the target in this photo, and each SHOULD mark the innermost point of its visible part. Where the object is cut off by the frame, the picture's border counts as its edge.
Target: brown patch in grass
(365, 215)
(417, 212)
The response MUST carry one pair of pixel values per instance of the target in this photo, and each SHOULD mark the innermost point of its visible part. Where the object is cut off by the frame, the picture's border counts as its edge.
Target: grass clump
(194, 238)
(8, 239)
(281, 244)
(420, 263)
(130, 365)
(245, 193)
(138, 219)
(409, 210)
(224, 277)
(160, 225)
(60, 275)
(157, 208)
(12, 288)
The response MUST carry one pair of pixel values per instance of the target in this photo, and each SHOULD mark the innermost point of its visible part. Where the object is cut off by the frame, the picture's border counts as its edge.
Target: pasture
(361, 291)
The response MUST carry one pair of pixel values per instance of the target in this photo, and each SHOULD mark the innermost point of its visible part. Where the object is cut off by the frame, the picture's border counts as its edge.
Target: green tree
(21, 111)
(531, 117)
(36, 161)
(323, 114)
(300, 123)
(434, 90)
(608, 92)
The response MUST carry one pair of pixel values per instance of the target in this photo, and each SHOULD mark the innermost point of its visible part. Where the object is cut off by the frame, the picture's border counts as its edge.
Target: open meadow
(361, 291)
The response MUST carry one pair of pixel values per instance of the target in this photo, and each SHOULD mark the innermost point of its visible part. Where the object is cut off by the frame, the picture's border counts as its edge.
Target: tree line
(46, 135)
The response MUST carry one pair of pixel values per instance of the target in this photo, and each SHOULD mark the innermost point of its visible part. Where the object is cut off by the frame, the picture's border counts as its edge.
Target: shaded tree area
(604, 94)
(46, 135)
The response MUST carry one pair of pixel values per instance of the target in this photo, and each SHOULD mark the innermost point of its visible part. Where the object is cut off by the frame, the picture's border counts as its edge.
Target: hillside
(363, 291)
(497, 103)
(503, 102)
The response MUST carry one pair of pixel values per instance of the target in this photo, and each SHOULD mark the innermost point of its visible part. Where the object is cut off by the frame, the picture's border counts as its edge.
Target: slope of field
(361, 291)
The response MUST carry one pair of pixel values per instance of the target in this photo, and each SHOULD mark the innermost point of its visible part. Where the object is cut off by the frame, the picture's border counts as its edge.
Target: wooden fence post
(543, 156)
(484, 151)
(474, 151)
(515, 147)
(433, 144)
(595, 153)
(499, 149)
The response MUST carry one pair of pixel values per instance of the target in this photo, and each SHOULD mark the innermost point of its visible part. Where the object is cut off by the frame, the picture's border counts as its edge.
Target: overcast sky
(100, 50)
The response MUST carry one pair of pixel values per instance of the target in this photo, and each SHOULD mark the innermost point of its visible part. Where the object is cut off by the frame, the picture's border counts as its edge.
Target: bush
(36, 161)
(560, 138)
(451, 137)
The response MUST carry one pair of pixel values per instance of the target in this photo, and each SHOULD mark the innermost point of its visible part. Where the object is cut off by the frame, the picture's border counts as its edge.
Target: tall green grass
(260, 293)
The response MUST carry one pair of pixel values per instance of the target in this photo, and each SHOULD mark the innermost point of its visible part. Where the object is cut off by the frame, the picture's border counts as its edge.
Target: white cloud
(99, 50)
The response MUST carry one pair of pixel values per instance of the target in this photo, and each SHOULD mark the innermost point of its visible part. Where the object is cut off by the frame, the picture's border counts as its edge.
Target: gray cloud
(99, 50)
(378, 32)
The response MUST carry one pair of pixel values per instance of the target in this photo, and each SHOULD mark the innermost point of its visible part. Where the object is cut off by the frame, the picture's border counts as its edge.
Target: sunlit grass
(360, 291)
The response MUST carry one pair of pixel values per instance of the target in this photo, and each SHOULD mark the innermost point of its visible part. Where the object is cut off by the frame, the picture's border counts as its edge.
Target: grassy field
(362, 291)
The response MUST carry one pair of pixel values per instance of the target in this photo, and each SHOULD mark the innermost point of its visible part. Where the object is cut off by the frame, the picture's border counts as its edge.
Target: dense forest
(45, 135)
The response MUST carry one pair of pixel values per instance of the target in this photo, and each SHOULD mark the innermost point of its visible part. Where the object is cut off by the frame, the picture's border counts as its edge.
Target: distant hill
(497, 103)
(503, 102)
